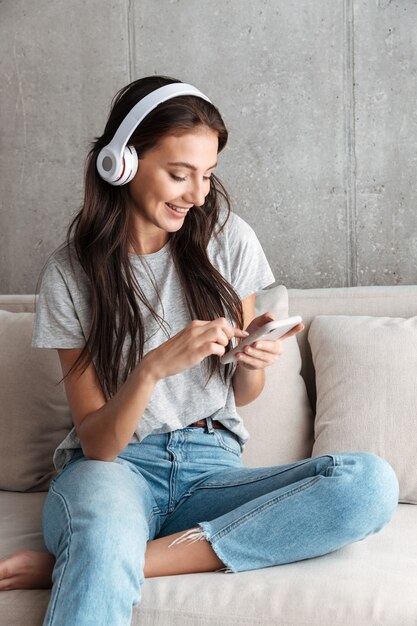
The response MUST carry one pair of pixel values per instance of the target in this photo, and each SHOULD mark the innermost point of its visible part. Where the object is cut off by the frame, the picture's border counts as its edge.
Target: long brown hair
(102, 234)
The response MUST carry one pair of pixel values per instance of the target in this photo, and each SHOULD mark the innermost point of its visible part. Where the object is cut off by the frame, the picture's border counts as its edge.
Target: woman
(156, 283)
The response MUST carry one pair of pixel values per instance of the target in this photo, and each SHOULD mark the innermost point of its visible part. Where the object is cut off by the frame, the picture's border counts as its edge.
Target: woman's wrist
(148, 369)
(247, 384)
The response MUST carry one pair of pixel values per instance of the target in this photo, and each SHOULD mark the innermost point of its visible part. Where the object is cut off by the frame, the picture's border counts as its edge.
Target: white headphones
(117, 163)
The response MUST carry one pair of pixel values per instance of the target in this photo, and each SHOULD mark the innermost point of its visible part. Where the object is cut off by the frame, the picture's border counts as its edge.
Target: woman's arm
(247, 384)
(105, 428)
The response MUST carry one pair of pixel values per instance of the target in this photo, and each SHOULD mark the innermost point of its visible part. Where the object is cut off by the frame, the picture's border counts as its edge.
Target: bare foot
(33, 570)
(27, 570)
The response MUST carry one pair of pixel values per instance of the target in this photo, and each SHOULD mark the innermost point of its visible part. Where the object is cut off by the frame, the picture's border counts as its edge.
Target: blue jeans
(98, 515)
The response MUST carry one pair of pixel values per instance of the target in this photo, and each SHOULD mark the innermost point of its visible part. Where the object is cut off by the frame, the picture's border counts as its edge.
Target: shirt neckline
(151, 255)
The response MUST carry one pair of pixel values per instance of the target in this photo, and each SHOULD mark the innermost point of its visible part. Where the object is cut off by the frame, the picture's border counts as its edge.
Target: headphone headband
(116, 163)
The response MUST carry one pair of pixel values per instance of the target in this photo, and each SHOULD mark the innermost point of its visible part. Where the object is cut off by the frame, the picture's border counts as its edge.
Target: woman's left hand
(262, 353)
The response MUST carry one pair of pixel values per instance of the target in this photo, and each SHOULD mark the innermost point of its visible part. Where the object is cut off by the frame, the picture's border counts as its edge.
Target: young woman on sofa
(157, 280)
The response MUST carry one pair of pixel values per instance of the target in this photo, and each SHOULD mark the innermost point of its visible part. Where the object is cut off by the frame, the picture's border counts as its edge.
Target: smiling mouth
(179, 210)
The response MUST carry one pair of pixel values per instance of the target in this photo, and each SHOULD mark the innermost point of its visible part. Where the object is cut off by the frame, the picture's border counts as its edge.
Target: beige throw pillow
(34, 412)
(366, 372)
(280, 420)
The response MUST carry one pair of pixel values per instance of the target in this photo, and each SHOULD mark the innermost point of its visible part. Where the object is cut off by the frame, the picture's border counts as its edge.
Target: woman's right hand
(190, 346)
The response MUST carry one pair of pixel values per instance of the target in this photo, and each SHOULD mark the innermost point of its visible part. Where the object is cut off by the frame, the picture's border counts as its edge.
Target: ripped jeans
(98, 516)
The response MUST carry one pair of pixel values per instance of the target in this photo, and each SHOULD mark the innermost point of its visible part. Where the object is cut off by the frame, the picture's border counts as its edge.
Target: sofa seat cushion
(372, 581)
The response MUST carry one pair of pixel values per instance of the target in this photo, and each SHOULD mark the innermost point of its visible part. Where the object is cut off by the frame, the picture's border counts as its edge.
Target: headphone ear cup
(130, 166)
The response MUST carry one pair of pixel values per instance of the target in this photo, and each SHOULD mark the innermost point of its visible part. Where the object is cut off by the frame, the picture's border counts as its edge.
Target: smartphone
(270, 330)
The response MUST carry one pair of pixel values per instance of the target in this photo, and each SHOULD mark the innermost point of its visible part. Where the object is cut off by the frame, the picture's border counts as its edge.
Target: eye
(179, 179)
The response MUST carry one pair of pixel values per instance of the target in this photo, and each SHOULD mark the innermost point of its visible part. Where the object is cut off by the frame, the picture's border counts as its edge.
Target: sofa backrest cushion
(34, 412)
(52, 409)
(280, 420)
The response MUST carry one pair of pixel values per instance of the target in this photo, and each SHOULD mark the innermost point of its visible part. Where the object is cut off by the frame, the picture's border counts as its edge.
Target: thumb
(264, 318)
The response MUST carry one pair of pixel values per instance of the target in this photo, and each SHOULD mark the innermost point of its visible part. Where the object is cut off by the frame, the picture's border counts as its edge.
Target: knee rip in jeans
(197, 534)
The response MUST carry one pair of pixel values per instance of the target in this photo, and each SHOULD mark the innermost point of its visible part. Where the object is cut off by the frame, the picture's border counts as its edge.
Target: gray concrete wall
(319, 97)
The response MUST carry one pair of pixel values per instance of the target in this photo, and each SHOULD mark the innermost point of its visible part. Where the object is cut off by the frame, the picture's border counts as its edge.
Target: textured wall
(319, 97)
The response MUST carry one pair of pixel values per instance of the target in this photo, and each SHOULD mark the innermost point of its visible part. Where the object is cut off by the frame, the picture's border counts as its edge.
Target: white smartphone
(271, 330)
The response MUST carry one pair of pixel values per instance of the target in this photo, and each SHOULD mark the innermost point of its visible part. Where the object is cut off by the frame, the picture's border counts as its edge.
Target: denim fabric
(98, 516)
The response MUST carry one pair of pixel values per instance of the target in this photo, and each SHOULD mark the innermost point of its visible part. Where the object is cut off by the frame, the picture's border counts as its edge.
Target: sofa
(347, 382)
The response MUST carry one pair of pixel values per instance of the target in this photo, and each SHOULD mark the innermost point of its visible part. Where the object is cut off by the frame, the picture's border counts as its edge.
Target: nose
(196, 194)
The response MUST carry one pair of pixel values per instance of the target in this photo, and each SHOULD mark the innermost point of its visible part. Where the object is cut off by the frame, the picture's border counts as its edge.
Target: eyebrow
(189, 166)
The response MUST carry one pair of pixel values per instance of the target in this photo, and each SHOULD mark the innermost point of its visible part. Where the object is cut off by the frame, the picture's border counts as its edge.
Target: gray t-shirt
(62, 321)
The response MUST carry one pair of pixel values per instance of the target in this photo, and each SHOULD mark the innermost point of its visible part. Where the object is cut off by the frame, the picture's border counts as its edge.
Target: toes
(26, 570)
(14, 564)
(4, 569)
(6, 584)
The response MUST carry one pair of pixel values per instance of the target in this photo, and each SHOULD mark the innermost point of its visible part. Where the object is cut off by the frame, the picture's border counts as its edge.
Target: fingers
(222, 331)
(268, 344)
(256, 359)
(260, 349)
(268, 356)
(261, 354)
(293, 331)
(229, 330)
(7, 584)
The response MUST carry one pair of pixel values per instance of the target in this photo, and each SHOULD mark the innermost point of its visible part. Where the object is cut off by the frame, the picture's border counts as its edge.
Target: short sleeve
(56, 322)
(249, 267)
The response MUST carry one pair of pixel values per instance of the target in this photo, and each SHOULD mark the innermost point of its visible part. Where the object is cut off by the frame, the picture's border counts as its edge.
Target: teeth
(178, 209)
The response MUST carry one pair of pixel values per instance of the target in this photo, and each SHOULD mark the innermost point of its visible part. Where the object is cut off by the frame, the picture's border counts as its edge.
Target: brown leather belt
(215, 424)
